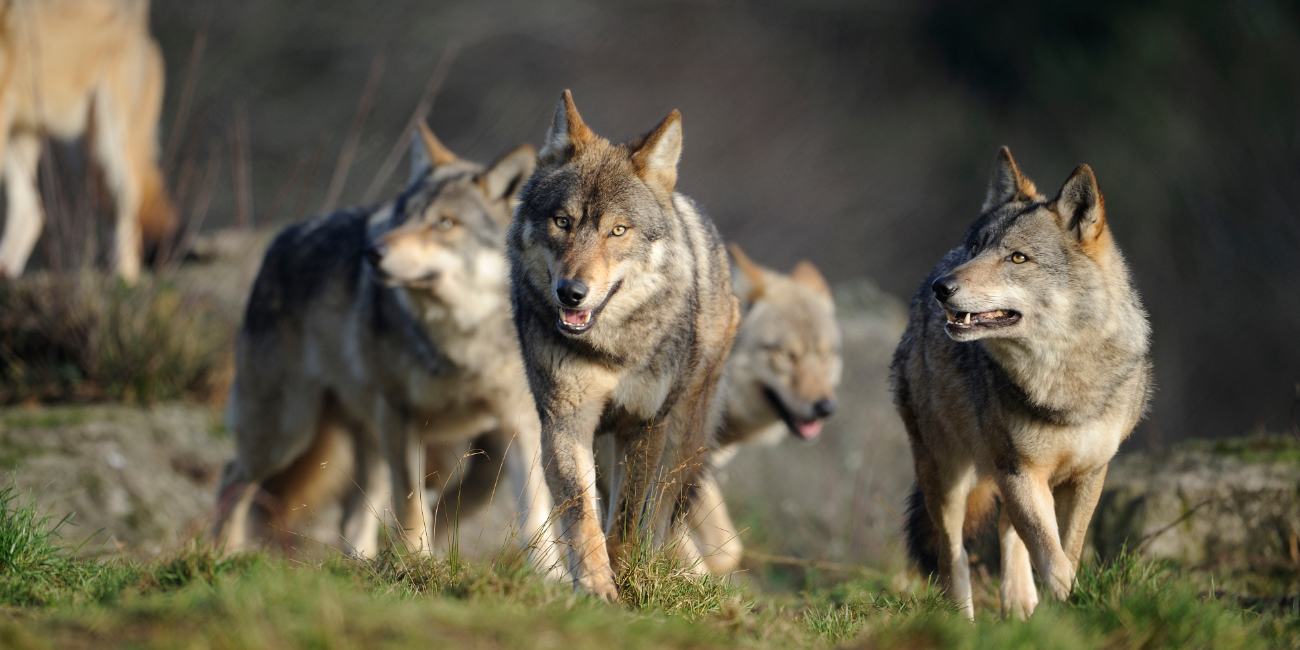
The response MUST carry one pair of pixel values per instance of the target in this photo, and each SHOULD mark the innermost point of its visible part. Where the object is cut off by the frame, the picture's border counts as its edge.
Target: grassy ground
(55, 596)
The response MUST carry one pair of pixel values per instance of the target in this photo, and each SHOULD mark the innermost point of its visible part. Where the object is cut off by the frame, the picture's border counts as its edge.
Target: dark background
(855, 134)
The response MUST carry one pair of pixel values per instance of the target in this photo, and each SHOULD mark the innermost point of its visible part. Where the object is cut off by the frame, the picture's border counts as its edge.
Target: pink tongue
(575, 316)
(811, 429)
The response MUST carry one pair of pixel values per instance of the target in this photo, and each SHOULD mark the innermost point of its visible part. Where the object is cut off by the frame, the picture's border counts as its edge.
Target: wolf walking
(1024, 365)
(369, 332)
(623, 303)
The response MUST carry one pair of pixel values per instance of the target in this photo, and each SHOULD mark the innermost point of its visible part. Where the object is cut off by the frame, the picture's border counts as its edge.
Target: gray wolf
(780, 383)
(371, 331)
(68, 67)
(1023, 366)
(623, 302)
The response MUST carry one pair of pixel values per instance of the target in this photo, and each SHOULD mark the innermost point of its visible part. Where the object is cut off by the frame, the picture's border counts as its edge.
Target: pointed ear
(655, 160)
(806, 274)
(1081, 205)
(1006, 183)
(502, 181)
(749, 286)
(427, 152)
(567, 135)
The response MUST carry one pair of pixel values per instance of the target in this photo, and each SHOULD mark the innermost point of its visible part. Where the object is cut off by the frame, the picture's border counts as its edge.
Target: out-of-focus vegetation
(84, 337)
(193, 597)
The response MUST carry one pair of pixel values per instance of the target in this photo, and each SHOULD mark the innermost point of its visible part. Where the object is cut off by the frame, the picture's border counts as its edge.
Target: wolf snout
(571, 293)
(824, 408)
(944, 287)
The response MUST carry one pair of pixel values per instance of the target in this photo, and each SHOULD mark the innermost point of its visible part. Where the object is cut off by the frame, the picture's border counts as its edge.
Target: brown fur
(62, 63)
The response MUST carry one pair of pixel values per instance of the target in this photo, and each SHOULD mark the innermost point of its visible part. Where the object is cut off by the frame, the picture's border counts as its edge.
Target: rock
(1229, 502)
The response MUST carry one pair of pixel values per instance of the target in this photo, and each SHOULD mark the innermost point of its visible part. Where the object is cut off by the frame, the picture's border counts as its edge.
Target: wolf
(369, 331)
(625, 313)
(68, 67)
(1024, 365)
(780, 382)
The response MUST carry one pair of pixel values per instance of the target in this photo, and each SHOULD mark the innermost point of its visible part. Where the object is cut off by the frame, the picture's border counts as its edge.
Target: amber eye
(562, 222)
(1018, 257)
(618, 231)
(445, 223)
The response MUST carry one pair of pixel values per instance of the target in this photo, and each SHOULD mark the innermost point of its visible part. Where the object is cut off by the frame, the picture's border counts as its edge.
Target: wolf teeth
(968, 318)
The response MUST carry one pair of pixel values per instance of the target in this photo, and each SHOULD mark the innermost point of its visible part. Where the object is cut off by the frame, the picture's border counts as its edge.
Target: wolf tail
(923, 538)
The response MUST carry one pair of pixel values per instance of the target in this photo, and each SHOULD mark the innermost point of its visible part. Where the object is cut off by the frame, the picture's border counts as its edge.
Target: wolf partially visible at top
(72, 67)
(623, 303)
(1024, 365)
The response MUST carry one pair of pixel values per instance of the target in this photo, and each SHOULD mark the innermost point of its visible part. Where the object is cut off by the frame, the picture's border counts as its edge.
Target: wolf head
(445, 233)
(785, 364)
(1034, 267)
(592, 218)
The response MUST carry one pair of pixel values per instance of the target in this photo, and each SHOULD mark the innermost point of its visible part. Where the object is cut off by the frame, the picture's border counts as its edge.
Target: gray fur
(1033, 408)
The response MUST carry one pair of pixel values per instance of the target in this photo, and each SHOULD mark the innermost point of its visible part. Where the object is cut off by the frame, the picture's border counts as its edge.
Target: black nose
(571, 292)
(824, 408)
(375, 255)
(944, 287)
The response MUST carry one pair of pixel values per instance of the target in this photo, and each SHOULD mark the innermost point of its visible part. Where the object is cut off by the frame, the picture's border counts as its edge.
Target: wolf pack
(565, 320)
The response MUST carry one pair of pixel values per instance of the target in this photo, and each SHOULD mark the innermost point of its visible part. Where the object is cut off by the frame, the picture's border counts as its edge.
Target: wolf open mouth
(965, 321)
(806, 430)
(578, 321)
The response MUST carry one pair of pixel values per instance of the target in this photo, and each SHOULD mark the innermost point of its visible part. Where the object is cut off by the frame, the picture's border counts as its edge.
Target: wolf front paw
(1060, 581)
(599, 584)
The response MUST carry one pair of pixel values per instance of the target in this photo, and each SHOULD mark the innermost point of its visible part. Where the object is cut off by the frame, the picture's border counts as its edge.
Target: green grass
(53, 596)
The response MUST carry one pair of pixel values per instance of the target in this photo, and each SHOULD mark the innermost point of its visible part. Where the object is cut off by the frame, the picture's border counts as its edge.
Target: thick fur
(659, 318)
(1030, 398)
(62, 62)
(388, 327)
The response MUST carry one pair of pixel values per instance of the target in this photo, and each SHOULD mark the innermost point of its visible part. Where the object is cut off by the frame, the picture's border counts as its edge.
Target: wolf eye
(973, 248)
(445, 223)
(562, 222)
(618, 230)
(1018, 257)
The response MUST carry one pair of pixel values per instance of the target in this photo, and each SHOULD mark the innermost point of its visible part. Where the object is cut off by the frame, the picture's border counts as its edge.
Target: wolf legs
(713, 531)
(1017, 593)
(402, 449)
(570, 469)
(1028, 502)
(24, 219)
(1075, 501)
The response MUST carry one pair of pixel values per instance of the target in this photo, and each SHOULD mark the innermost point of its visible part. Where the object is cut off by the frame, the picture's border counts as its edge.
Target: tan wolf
(780, 382)
(622, 298)
(1024, 365)
(62, 63)
(369, 331)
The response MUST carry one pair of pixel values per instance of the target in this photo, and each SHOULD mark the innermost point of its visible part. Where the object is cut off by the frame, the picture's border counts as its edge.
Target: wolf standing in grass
(1023, 367)
(370, 331)
(623, 303)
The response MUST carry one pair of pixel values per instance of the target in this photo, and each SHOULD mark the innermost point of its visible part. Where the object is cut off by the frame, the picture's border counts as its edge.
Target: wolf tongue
(810, 430)
(576, 316)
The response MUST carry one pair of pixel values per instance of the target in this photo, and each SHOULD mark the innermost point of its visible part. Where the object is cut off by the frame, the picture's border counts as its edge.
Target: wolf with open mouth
(623, 303)
(1024, 365)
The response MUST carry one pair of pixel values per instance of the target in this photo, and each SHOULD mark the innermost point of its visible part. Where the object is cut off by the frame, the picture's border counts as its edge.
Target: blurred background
(858, 135)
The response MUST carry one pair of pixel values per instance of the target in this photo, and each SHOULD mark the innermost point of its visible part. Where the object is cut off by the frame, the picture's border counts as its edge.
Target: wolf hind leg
(1017, 592)
(1076, 500)
(25, 217)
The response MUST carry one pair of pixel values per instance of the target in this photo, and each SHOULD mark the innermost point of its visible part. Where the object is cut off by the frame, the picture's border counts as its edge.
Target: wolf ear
(502, 181)
(1081, 205)
(567, 135)
(1006, 183)
(749, 286)
(806, 274)
(427, 152)
(656, 155)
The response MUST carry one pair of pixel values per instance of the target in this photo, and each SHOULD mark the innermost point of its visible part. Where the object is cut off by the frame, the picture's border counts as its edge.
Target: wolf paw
(599, 584)
(1018, 600)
